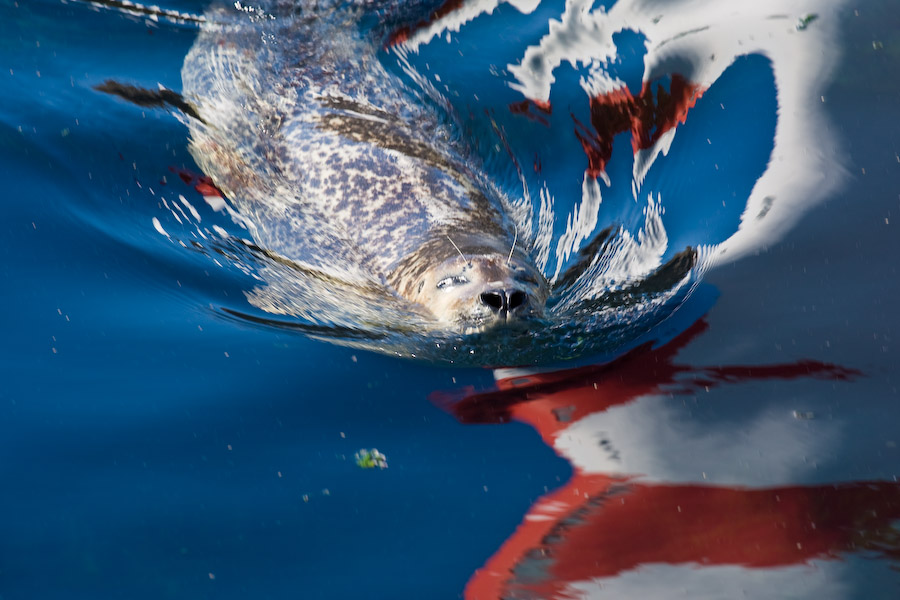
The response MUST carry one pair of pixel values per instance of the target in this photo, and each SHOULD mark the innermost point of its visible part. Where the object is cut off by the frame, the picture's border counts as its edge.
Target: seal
(338, 168)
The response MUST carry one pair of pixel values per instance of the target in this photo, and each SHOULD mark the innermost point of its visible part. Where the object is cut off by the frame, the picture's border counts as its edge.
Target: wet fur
(336, 166)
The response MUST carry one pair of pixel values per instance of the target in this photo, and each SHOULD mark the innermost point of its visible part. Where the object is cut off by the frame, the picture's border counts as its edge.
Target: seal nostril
(495, 300)
(517, 299)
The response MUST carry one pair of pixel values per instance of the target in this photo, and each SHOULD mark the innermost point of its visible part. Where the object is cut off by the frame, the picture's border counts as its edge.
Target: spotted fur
(334, 164)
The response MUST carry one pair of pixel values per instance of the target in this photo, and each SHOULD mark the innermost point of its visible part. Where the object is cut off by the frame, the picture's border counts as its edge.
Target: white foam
(190, 207)
(580, 223)
(159, 228)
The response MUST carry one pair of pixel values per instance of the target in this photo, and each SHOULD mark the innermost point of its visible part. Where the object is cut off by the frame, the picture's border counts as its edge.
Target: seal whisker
(515, 239)
(457, 249)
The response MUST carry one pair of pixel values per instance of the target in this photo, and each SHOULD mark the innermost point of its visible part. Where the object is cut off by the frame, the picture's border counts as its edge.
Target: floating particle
(805, 21)
(369, 459)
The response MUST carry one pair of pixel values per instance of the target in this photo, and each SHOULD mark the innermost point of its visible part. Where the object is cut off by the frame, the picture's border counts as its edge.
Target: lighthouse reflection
(672, 493)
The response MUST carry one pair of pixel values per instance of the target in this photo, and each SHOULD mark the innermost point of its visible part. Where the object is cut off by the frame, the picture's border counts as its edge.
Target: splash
(618, 252)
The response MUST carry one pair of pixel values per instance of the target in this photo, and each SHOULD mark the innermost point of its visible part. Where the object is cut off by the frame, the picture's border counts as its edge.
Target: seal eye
(451, 281)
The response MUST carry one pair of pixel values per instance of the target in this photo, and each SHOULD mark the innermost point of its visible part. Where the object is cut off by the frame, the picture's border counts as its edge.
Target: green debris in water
(806, 20)
(369, 459)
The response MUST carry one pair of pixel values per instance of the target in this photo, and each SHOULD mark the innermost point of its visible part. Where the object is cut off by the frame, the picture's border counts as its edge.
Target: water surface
(742, 438)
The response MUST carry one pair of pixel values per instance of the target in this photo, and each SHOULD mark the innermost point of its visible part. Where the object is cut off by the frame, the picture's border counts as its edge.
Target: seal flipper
(585, 259)
(148, 98)
(667, 276)
(662, 280)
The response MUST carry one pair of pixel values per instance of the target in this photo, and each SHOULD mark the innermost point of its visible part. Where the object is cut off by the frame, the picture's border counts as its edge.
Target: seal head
(475, 288)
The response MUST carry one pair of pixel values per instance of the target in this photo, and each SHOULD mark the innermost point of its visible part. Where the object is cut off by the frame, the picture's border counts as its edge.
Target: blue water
(152, 445)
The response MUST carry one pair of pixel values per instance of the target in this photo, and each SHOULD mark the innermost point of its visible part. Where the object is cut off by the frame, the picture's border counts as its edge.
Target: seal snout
(505, 302)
